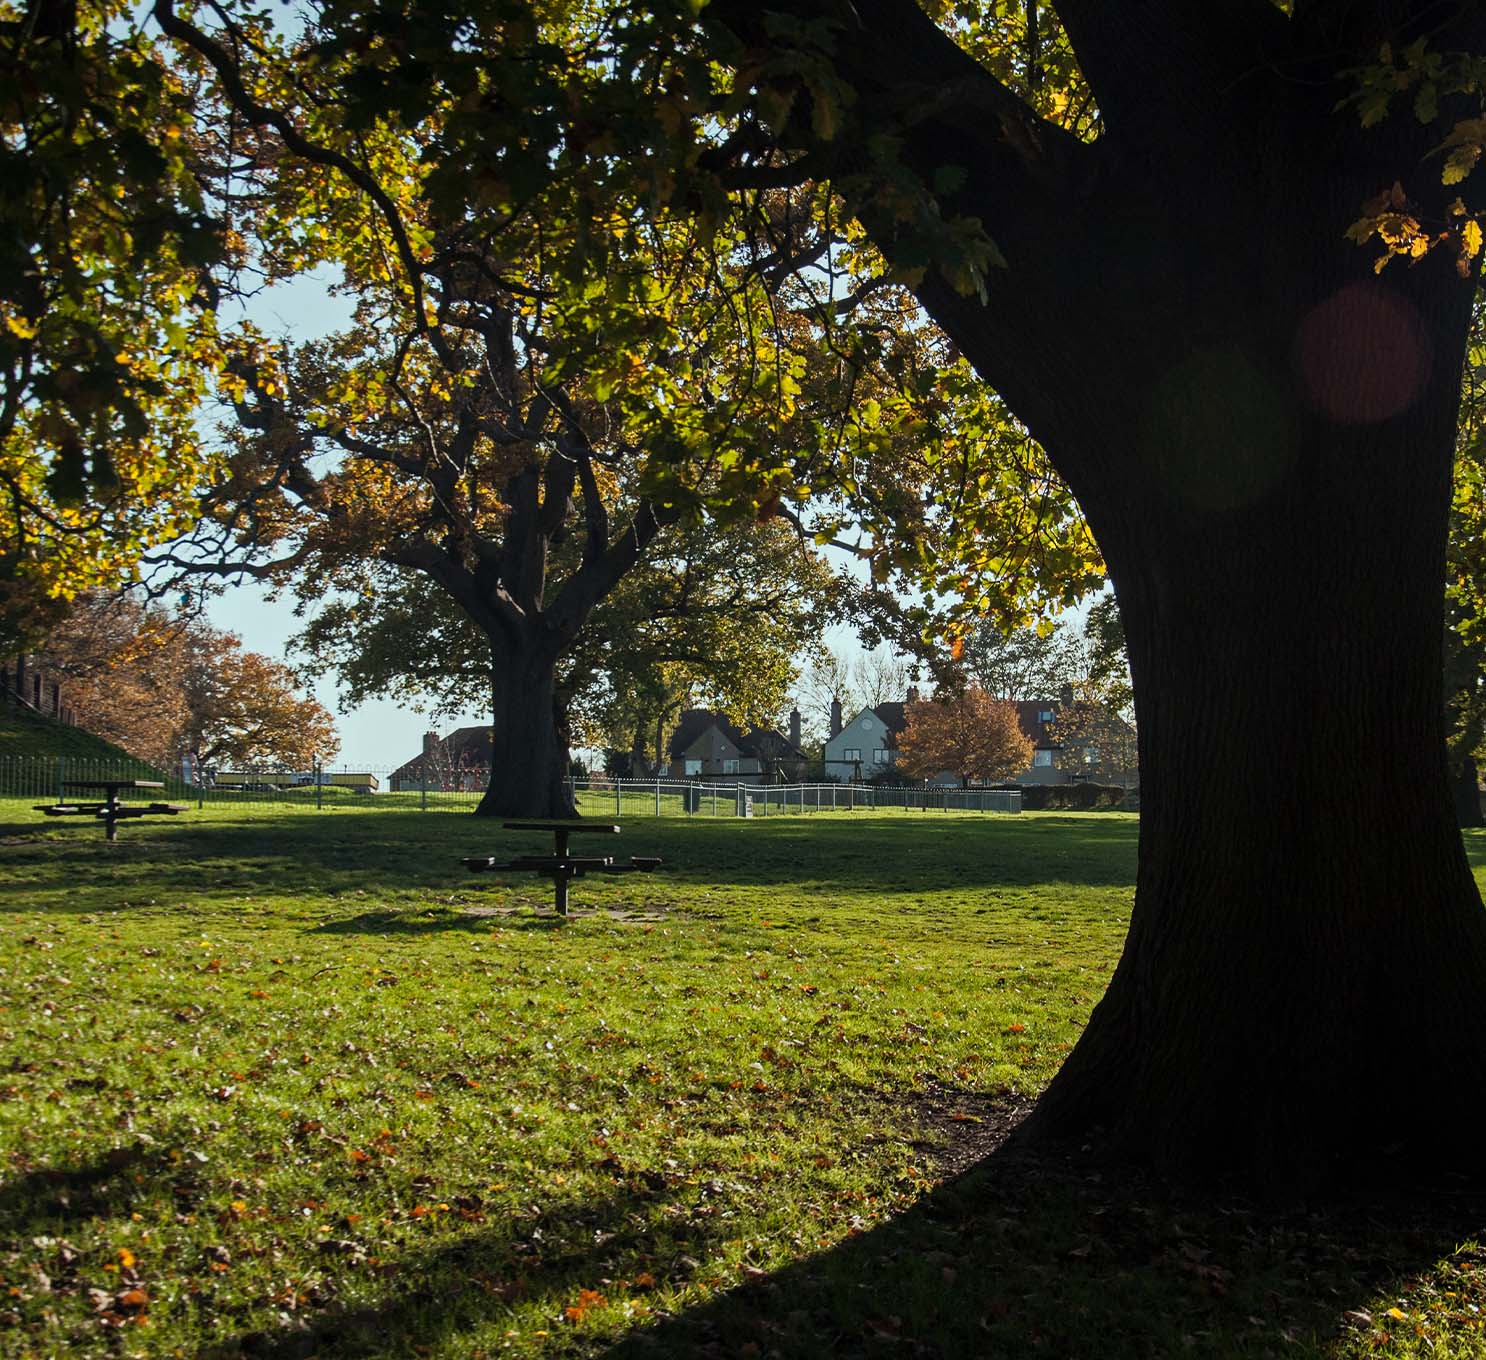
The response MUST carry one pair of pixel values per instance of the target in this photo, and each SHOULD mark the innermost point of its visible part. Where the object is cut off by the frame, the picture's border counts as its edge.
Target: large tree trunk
(1301, 989)
(1260, 433)
(529, 764)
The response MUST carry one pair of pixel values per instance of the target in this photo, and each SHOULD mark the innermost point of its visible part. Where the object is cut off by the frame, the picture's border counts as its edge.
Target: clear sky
(376, 736)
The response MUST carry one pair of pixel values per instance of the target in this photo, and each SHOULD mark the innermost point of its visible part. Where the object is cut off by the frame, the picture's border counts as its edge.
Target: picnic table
(108, 810)
(560, 866)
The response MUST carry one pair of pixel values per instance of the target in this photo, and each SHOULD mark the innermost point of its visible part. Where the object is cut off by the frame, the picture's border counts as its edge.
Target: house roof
(463, 747)
(1033, 728)
(756, 741)
(894, 716)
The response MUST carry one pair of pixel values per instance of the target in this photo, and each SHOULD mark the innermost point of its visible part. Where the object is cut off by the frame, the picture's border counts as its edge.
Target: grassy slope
(28, 735)
(268, 1087)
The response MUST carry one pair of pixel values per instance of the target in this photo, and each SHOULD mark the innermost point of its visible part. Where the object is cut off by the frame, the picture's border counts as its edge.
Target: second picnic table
(560, 866)
(109, 810)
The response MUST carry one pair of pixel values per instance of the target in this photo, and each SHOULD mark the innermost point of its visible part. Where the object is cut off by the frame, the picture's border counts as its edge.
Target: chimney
(794, 727)
(836, 717)
(430, 743)
(913, 694)
(1065, 695)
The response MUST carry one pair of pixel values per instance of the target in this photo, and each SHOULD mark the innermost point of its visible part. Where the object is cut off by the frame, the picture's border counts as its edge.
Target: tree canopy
(107, 335)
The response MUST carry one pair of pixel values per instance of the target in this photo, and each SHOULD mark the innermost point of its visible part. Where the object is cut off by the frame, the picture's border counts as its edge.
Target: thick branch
(1152, 61)
(596, 577)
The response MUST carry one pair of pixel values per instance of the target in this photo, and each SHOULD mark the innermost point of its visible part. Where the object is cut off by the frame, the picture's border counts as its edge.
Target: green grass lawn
(25, 735)
(279, 1082)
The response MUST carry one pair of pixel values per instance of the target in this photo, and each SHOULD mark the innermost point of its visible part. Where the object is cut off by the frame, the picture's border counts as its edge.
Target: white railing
(732, 798)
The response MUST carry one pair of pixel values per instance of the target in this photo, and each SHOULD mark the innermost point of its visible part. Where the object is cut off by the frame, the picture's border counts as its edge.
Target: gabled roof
(463, 748)
(894, 716)
(756, 741)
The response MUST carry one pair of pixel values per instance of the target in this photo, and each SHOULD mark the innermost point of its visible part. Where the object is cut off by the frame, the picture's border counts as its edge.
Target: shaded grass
(268, 1087)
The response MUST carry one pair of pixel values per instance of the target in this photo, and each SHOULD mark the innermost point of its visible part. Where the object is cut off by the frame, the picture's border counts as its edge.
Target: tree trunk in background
(1464, 780)
(529, 764)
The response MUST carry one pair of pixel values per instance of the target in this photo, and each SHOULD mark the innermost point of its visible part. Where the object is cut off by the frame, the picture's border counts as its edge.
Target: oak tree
(567, 344)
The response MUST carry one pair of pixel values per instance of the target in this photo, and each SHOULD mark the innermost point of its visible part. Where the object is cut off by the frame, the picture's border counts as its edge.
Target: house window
(1042, 758)
(730, 765)
(882, 756)
(1091, 755)
(852, 753)
(1045, 715)
(693, 767)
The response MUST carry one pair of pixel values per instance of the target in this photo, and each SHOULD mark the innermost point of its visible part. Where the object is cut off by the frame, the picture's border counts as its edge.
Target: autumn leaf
(588, 1299)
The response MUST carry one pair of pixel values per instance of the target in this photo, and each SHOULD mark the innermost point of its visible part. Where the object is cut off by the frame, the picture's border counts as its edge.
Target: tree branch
(260, 115)
(1149, 61)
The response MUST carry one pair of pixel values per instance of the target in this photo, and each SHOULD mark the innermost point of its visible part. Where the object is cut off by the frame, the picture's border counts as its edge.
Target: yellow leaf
(1396, 1313)
(1470, 238)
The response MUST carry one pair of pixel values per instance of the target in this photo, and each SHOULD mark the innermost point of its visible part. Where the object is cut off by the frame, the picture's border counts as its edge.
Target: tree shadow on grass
(438, 922)
(1040, 1256)
(552, 1256)
(311, 855)
(298, 854)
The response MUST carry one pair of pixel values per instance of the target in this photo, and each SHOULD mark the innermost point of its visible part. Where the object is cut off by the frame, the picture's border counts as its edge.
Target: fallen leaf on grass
(587, 1299)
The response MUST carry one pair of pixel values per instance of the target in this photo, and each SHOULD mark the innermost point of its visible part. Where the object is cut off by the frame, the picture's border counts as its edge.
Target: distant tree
(1105, 665)
(1030, 663)
(973, 735)
(246, 709)
(827, 679)
(120, 663)
(158, 685)
(878, 676)
(714, 616)
(881, 676)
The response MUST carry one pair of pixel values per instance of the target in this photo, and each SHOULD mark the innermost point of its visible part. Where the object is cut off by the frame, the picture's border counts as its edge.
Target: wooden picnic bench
(108, 810)
(560, 866)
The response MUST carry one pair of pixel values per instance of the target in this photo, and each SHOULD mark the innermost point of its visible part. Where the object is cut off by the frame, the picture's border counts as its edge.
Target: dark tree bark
(529, 761)
(1261, 434)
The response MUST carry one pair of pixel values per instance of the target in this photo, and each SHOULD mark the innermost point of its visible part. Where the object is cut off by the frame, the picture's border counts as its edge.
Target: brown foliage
(972, 735)
(159, 686)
